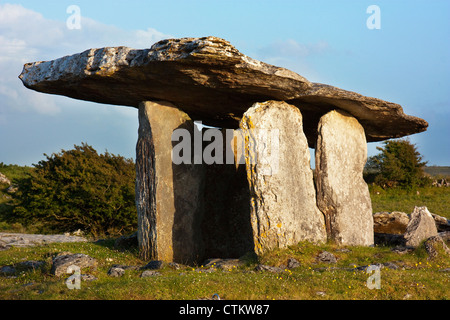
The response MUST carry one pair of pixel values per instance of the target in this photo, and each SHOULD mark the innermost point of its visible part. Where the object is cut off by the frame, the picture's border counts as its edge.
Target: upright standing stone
(168, 195)
(342, 194)
(282, 196)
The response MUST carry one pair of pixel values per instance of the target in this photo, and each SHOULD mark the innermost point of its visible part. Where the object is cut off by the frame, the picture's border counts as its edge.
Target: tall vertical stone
(282, 196)
(168, 196)
(342, 194)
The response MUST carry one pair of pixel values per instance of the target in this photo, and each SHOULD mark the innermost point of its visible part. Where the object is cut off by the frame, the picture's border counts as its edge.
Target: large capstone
(342, 194)
(210, 80)
(282, 196)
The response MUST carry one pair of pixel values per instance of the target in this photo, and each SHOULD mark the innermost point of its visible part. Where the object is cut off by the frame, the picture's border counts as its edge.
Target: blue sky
(407, 61)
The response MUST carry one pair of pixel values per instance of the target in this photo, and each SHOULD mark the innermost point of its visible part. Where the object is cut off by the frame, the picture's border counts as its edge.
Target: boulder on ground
(420, 227)
(436, 246)
(442, 223)
(63, 261)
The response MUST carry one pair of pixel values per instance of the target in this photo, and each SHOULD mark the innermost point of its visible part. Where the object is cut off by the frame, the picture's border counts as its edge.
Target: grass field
(437, 200)
(416, 277)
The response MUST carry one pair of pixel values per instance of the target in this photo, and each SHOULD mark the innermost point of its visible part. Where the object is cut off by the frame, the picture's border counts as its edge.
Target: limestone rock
(283, 202)
(394, 222)
(223, 264)
(150, 273)
(442, 223)
(65, 260)
(445, 235)
(154, 265)
(342, 194)
(420, 227)
(272, 269)
(210, 80)
(116, 272)
(380, 119)
(293, 263)
(327, 257)
(206, 76)
(168, 196)
(435, 246)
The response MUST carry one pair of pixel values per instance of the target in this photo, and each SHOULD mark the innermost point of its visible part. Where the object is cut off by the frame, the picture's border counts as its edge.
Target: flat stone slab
(27, 240)
(210, 80)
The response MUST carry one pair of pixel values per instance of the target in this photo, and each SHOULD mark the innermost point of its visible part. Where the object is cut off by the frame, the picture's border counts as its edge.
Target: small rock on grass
(327, 257)
(150, 273)
(262, 267)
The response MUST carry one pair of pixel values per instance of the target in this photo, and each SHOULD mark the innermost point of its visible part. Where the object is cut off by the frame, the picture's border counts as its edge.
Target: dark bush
(398, 164)
(79, 189)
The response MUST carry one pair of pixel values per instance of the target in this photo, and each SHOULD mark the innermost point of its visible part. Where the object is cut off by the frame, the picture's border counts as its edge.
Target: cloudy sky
(406, 60)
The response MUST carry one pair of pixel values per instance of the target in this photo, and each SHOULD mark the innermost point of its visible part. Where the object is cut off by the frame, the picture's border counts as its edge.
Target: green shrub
(79, 189)
(398, 164)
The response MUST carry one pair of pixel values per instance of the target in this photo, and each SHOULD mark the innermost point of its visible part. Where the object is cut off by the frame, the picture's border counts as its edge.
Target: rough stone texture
(293, 263)
(223, 264)
(435, 246)
(342, 194)
(394, 222)
(63, 261)
(210, 80)
(380, 119)
(150, 273)
(442, 223)
(8, 240)
(168, 196)
(154, 265)
(445, 235)
(420, 227)
(327, 257)
(282, 204)
(116, 272)
(272, 269)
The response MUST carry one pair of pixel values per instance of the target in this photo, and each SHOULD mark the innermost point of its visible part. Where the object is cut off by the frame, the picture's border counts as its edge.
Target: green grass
(437, 200)
(418, 278)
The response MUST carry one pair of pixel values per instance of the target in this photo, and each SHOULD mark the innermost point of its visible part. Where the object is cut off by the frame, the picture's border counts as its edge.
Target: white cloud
(26, 36)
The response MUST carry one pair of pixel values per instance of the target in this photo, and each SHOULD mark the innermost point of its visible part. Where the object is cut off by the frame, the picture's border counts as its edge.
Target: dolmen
(222, 157)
